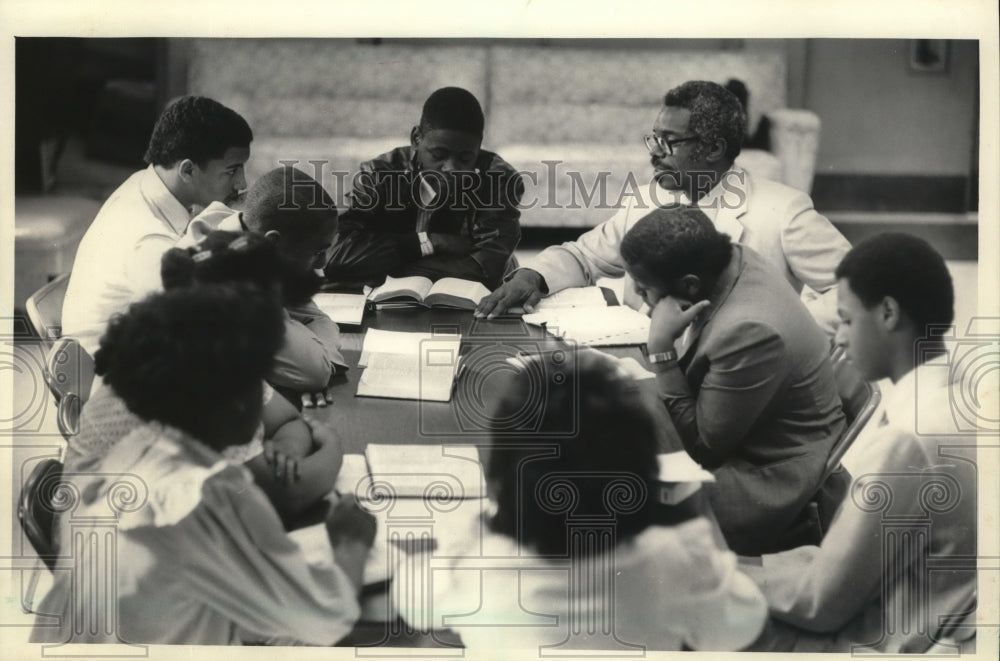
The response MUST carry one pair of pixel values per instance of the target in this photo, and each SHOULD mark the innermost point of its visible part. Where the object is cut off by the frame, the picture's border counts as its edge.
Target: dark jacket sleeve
(366, 246)
(506, 188)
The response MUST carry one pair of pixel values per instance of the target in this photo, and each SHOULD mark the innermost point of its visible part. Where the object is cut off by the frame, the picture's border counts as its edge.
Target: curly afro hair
(595, 439)
(178, 356)
(223, 257)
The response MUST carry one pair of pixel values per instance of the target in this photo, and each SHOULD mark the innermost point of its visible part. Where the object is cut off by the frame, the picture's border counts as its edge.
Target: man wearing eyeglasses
(695, 141)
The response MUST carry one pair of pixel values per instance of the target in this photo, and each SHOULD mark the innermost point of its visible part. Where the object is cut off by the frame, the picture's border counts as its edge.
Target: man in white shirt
(901, 552)
(695, 141)
(196, 156)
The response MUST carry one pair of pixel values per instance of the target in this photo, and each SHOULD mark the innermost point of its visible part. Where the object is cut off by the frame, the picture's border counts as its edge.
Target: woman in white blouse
(166, 541)
(571, 556)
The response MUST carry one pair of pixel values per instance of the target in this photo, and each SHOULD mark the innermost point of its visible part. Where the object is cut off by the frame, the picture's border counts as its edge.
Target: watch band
(662, 357)
(426, 247)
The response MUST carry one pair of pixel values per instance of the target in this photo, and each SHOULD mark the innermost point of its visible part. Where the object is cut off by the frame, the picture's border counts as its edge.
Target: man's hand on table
(523, 289)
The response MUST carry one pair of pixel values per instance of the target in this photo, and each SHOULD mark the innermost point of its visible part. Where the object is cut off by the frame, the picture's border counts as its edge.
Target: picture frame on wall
(929, 55)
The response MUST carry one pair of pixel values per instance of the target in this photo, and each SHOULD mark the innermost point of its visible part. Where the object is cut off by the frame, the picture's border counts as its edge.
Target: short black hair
(715, 113)
(675, 241)
(223, 257)
(177, 356)
(289, 201)
(906, 268)
(196, 128)
(453, 108)
(612, 447)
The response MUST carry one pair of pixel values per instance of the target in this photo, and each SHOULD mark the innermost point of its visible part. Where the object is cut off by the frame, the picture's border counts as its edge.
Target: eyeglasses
(656, 143)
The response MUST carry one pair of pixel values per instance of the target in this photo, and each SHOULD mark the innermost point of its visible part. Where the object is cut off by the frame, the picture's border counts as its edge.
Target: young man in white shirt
(196, 156)
(901, 552)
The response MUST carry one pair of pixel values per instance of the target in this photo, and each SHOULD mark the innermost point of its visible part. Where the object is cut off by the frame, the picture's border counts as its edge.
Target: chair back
(859, 398)
(69, 373)
(35, 510)
(69, 369)
(44, 308)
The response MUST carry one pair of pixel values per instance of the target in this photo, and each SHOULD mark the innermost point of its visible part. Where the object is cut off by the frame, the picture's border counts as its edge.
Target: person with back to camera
(673, 587)
(293, 460)
(295, 212)
(745, 375)
(202, 556)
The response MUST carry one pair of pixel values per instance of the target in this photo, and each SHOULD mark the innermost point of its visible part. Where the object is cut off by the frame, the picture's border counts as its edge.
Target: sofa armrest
(795, 141)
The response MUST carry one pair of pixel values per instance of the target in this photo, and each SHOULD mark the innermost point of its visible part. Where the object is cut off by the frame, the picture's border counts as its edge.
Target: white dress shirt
(775, 220)
(118, 261)
(900, 553)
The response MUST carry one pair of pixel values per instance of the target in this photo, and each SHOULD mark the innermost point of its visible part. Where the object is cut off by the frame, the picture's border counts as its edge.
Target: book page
(381, 341)
(403, 376)
(414, 286)
(611, 326)
(342, 308)
(574, 297)
(456, 288)
(450, 471)
(680, 467)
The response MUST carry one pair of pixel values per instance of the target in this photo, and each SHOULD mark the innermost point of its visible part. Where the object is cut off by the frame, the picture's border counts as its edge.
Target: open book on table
(402, 365)
(573, 297)
(443, 472)
(348, 309)
(418, 290)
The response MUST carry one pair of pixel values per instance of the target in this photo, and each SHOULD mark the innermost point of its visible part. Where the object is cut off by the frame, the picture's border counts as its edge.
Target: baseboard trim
(933, 194)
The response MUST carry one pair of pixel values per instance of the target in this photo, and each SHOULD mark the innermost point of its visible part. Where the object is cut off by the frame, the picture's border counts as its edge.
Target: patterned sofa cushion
(335, 87)
(547, 94)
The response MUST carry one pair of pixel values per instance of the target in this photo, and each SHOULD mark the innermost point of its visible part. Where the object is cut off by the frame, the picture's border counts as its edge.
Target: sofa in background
(584, 110)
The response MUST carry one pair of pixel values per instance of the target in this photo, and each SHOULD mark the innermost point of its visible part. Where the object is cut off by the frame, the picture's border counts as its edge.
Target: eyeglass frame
(665, 145)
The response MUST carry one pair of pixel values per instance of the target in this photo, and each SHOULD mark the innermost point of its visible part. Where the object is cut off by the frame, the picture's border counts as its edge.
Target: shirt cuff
(426, 247)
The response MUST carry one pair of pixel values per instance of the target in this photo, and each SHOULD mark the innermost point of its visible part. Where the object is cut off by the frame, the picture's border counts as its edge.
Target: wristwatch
(662, 357)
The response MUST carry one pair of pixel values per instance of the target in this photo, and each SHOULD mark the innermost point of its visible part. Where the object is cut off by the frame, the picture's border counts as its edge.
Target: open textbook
(348, 309)
(418, 290)
(437, 471)
(607, 326)
(573, 297)
(402, 365)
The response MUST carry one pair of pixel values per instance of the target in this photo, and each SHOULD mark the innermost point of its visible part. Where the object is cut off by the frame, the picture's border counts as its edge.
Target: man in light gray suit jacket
(694, 144)
(744, 373)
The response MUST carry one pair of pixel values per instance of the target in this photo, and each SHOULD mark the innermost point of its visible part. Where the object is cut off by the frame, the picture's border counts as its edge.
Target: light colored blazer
(777, 221)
